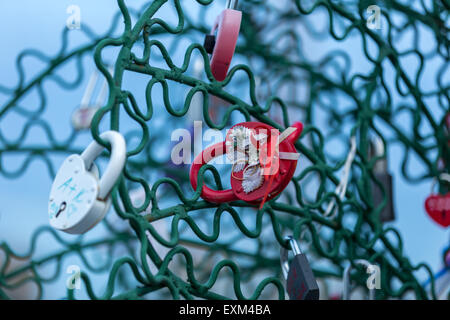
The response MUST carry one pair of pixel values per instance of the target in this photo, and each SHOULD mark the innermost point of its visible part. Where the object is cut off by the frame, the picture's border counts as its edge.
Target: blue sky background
(37, 24)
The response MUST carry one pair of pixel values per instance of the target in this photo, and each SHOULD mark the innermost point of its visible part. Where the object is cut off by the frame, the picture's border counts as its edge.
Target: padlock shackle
(218, 149)
(88, 92)
(227, 25)
(232, 4)
(293, 243)
(347, 280)
(87, 96)
(378, 150)
(116, 162)
(442, 177)
(216, 196)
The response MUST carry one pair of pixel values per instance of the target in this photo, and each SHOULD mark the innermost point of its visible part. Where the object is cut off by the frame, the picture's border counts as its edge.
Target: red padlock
(221, 42)
(438, 208)
(276, 164)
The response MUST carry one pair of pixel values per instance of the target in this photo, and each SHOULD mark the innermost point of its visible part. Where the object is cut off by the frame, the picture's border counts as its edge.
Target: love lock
(78, 198)
(437, 205)
(264, 161)
(382, 175)
(438, 208)
(300, 281)
(221, 42)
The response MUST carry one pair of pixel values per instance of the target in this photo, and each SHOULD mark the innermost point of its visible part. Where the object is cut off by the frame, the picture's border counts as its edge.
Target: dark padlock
(382, 175)
(209, 43)
(300, 281)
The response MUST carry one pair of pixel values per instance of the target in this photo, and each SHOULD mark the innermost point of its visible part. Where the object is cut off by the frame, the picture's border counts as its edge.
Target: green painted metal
(372, 100)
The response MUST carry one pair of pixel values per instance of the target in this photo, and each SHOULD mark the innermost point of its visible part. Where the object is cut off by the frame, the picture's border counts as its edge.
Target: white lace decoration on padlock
(240, 152)
(253, 179)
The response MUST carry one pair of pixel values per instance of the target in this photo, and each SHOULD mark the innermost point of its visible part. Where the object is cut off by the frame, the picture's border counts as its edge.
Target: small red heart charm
(438, 208)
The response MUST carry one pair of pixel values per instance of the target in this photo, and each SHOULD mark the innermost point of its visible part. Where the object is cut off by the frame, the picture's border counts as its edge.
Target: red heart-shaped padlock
(284, 171)
(276, 164)
(438, 208)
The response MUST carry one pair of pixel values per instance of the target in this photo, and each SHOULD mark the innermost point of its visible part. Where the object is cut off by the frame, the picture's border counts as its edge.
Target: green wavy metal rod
(159, 71)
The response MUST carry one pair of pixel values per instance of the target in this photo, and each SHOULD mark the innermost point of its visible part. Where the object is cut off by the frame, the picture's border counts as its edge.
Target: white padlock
(79, 199)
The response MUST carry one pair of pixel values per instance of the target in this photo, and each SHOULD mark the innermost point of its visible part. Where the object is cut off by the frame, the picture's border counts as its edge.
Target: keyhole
(62, 207)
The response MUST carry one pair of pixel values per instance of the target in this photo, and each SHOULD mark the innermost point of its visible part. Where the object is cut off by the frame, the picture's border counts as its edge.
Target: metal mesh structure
(176, 245)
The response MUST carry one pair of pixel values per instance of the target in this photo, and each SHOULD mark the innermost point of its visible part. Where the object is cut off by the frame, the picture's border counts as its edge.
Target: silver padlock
(79, 199)
(346, 280)
(382, 175)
